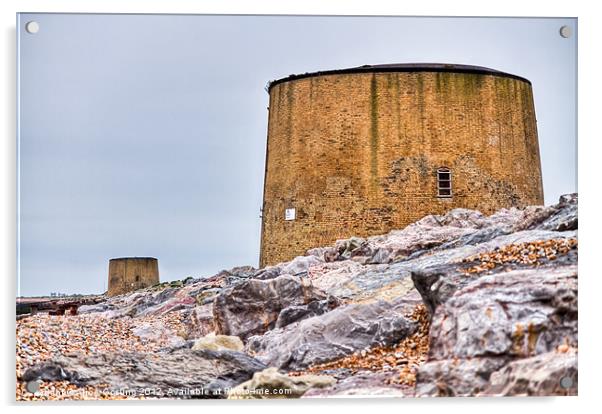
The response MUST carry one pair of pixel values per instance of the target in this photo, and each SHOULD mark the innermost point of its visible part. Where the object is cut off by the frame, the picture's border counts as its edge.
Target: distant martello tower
(365, 150)
(127, 274)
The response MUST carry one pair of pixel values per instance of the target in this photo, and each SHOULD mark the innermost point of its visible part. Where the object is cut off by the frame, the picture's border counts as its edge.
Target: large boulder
(270, 383)
(253, 306)
(552, 373)
(181, 373)
(333, 335)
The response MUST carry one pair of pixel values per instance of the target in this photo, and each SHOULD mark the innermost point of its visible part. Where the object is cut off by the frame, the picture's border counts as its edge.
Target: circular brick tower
(362, 151)
(127, 274)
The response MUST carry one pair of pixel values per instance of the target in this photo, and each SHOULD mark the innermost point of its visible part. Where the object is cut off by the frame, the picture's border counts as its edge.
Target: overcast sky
(145, 135)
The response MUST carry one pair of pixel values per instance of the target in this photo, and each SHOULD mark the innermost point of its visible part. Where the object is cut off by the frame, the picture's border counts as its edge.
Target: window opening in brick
(444, 188)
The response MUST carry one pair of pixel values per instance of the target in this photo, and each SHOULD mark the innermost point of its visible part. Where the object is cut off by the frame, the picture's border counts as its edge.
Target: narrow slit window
(444, 188)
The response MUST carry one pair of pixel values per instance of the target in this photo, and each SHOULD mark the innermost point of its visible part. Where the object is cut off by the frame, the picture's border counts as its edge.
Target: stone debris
(42, 337)
(530, 253)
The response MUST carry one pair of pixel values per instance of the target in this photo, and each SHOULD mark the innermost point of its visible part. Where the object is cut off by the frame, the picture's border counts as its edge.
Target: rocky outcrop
(202, 374)
(169, 297)
(518, 313)
(253, 307)
(332, 335)
(270, 383)
(459, 304)
(438, 280)
(457, 228)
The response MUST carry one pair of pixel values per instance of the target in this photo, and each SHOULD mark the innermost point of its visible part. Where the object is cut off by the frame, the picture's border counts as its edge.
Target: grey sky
(145, 135)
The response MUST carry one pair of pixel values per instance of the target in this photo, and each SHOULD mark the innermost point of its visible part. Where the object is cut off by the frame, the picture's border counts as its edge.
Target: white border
(589, 159)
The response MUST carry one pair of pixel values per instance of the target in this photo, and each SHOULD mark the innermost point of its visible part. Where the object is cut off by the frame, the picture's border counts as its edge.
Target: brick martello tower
(362, 151)
(127, 274)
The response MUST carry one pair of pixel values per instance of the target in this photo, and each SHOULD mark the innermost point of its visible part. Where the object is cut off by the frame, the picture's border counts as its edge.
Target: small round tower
(127, 274)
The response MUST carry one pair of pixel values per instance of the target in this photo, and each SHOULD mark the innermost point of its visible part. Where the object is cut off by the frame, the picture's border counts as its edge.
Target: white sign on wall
(289, 214)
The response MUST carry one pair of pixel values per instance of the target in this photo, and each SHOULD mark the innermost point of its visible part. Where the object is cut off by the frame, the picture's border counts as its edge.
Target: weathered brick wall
(132, 273)
(357, 153)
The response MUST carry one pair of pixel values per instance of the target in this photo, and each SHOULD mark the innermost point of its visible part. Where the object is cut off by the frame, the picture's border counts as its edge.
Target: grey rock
(182, 369)
(234, 276)
(456, 255)
(361, 280)
(272, 384)
(457, 228)
(300, 265)
(98, 307)
(379, 256)
(518, 313)
(332, 335)
(480, 236)
(363, 384)
(296, 313)
(207, 296)
(458, 217)
(500, 322)
(155, 330)
(347, 279)
(269, 272)
(355, 246)
(252, 307)
(456, 377)
(564, 215)
(331, 254)
(199, 321)
(319, 252)
(243, 272)
(552, 373)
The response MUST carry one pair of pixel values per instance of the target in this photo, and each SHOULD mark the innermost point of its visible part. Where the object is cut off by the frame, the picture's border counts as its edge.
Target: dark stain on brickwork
(374, 130)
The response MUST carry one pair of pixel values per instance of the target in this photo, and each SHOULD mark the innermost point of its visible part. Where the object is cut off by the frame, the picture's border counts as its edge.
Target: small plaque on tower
(289, 214)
